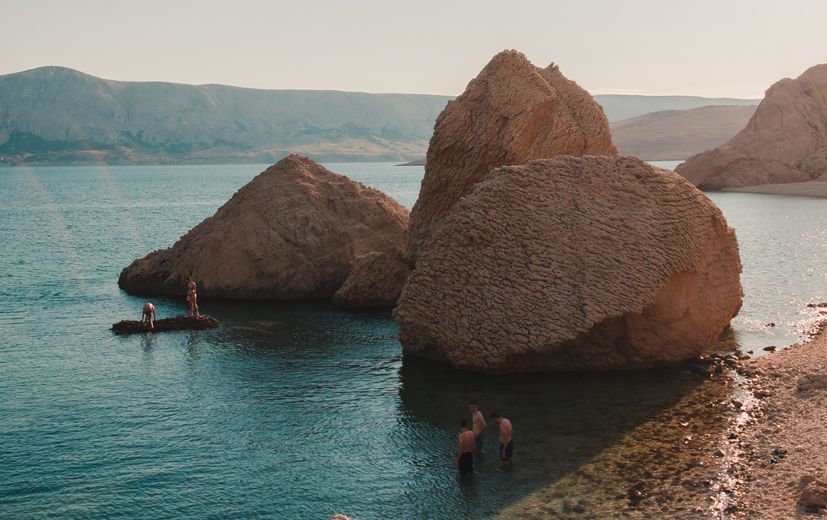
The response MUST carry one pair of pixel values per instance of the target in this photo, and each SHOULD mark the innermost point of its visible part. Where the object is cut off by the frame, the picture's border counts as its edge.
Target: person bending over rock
(192, 297)
(465, 451)
(478, 426)
(506, 441)
(148, 315)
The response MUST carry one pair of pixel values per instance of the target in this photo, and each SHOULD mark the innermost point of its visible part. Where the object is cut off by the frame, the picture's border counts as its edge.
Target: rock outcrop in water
(784, 142)
(571, 264)
(175, 323)
(291, 233)
(511, 113)
(375, 281)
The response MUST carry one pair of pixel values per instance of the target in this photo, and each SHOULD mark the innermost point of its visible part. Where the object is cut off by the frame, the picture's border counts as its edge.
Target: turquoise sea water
(302, 411)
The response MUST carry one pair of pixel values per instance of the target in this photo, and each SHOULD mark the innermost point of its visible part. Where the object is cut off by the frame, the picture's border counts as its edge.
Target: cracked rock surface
(511, 113)
(570, 264)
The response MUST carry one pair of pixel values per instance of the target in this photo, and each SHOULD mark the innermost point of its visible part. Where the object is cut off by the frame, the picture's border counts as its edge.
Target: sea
(304, 410)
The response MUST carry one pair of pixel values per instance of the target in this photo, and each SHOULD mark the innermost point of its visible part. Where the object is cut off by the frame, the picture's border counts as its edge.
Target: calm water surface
(301, 411)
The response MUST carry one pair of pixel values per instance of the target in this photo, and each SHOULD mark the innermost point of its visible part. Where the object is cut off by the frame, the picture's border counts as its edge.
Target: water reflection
(590, 436)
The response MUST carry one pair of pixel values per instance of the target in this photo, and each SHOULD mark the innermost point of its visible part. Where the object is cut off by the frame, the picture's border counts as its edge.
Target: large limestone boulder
(511, 113)
(785, 141)
(573, 263)
(291, 233)
(375, 282)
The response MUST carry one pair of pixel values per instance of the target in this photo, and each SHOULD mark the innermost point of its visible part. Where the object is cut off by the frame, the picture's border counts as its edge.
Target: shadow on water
(586, 445)
(634, 444)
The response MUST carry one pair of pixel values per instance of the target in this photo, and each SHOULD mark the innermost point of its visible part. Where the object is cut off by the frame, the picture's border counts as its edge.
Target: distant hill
(59, 115)
(678, 134)
(55, 115)
(622, 106)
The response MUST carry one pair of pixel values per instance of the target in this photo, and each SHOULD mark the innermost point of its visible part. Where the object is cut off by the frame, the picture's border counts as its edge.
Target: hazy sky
(701, 47)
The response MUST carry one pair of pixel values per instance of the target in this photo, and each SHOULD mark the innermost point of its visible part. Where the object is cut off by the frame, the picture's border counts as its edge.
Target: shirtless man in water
(478, 426)
(192, 297)
(148, 315)
(465, 451)
(506, 441)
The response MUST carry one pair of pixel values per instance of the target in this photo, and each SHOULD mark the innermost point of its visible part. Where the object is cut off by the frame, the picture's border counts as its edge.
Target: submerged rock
(375, 281)
(784, 142)
(570, 264)
(511, 113)
(182, 322)
(290, 233)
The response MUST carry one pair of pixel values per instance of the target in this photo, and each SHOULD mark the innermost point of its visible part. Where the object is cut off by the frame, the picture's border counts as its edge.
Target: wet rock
(778, 454)
(182, 322)
(516, 277)
(375, 281)
(636, 495)
(291, 233)
(511, 113)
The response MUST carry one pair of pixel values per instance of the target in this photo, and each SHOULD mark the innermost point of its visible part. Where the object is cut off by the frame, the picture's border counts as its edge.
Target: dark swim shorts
(508, 450)
(466, 463)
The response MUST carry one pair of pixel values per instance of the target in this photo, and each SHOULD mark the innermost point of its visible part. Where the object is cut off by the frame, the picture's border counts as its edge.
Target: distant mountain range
(55, 115)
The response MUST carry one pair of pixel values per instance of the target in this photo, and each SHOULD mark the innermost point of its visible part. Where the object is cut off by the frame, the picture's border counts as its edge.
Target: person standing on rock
(478, 426)
(506, 440)
(148, 315)
(465, 451)
(192, 297)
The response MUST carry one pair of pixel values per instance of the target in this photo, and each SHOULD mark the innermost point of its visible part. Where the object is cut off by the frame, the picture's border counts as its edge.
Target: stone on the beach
(784, 142)
(811, 382)
(375, 281)
(570, 264)
(511, 113)
(290, 233)
(814, 493)
(182, 322)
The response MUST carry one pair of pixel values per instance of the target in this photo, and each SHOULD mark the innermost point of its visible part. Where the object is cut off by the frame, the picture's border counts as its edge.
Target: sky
(720, 48)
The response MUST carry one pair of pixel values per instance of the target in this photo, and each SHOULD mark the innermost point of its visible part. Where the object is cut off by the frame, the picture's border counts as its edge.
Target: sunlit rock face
(292, 233)
(785, 141)
(571, 264)
(511, 113)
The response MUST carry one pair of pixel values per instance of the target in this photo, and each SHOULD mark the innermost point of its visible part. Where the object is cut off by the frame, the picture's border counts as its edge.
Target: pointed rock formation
(290, 233)
(375, 282)
(571, 264)
(511, 113)
(784, 142)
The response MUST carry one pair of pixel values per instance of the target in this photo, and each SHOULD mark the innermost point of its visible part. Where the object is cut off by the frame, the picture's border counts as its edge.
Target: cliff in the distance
(784, 142)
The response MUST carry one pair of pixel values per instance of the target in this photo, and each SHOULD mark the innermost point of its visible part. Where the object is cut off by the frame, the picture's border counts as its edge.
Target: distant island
(56, 115)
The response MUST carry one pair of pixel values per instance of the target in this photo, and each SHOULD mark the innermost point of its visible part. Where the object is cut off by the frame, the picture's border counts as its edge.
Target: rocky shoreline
(777, 453)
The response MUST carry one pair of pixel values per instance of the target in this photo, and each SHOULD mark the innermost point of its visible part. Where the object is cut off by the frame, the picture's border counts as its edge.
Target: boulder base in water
(570, 264)
(375, 281)
(175, 323)
(784, 142)
(291, 233)
(511, 113)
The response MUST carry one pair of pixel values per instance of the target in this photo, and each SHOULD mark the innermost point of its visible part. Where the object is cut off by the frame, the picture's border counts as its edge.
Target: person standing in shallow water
(465, 451)
(506, 434)
(192, 297)
(478, 425)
